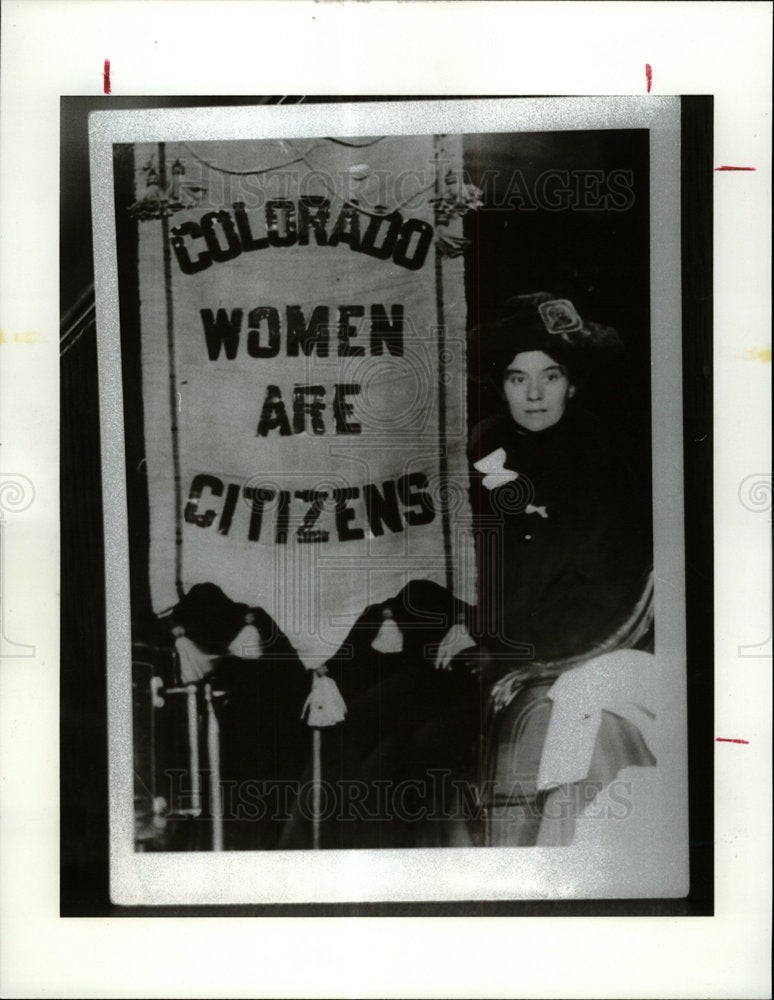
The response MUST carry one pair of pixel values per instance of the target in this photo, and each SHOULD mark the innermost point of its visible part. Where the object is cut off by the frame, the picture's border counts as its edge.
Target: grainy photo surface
(393, 401)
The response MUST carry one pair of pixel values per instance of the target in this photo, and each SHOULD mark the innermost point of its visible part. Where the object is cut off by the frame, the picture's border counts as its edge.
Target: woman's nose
(534, 389)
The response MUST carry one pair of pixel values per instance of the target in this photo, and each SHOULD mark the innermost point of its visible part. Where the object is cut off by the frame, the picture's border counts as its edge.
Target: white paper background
(435, 48)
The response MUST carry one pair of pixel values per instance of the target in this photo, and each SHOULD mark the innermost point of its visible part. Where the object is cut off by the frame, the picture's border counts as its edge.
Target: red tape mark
(726, 739)
(648, 75)
(106, 77)
(734, 168)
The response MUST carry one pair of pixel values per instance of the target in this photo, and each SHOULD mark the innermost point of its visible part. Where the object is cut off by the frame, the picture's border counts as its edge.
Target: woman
(564, 556)
(561, 553)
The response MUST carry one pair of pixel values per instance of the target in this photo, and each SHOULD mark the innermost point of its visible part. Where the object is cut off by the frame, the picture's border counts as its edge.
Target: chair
(556, 733)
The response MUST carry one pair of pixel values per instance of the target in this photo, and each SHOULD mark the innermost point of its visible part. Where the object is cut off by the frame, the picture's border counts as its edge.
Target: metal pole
(154, 700)
(213, 751)
(316, 782)
(193, 751)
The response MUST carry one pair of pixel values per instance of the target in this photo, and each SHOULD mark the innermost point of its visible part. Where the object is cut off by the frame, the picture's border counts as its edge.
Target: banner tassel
(325, 705)
(389, 638)
(247, 643)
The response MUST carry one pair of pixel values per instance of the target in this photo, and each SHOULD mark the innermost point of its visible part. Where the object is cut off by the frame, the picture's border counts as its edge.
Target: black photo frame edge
(84, 876)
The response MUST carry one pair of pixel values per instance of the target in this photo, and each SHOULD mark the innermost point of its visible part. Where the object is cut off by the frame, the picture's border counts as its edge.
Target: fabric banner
(303, 355)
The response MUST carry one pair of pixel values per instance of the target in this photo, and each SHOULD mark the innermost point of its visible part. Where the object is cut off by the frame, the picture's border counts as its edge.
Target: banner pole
(173, 397)
(440, 313)
(193, 750)
(213, 751)
(316, 782)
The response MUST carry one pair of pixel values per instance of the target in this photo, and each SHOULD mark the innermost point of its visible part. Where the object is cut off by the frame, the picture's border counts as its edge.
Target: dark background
(598, 259)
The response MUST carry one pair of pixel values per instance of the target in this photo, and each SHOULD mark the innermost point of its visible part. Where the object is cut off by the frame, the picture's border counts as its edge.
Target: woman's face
(536, 390)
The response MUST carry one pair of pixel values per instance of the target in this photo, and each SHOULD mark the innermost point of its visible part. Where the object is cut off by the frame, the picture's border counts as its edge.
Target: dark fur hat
(544, 322)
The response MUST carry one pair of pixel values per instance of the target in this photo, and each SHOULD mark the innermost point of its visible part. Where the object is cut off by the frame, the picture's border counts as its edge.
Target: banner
(303, 357)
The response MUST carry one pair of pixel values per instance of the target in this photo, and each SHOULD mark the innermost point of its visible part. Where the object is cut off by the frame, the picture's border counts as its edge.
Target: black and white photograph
(389, 469)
